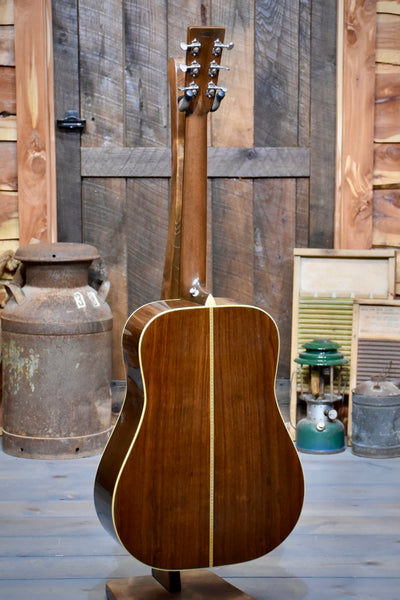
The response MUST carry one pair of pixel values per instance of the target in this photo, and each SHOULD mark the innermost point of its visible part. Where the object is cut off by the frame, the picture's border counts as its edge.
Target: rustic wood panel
(7, 87)
(8, 161)
(386, 165)
(387, 103)
(232, 124)
(322, 131)
(34, 93)
(8, 128)
(387, 39)
(282, 67)
(232, 223)
(222, 162)
(66, 80)
(7, 12)
(7, 55)
(146, 223)
(356, 127)
(275, 210)
(386, 217)
(8, 216)
(102, 105)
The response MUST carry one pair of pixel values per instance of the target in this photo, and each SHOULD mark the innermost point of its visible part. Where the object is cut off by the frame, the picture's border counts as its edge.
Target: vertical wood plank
(275, 230)
(322, 113)
(233, 240)
(304, 105)
(233, 126)
(276, 73)
(66, 89)
(147, 124)
(102, 105)
(147, 226)
(34, 94)
(353, 218)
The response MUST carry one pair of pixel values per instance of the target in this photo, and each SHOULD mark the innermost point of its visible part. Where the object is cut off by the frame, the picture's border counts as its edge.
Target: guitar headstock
(204, 46)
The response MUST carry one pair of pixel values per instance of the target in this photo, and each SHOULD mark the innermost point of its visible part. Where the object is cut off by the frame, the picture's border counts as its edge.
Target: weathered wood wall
(9, 232)
(271, 163)
(368, 170)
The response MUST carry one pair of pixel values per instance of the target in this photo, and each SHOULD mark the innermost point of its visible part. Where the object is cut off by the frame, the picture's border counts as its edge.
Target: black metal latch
(71, 122)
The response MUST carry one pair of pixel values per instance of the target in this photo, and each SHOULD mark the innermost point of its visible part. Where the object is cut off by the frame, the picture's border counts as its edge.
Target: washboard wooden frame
(325, 285)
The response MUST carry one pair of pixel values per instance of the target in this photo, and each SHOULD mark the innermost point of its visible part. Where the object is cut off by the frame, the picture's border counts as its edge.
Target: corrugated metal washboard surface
(378, 358)
(326, 318)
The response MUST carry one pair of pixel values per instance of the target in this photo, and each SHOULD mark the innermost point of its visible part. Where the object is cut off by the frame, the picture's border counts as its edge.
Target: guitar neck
(194, 206)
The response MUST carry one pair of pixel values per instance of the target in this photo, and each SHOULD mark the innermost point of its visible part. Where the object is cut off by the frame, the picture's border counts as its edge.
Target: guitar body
(200, 470)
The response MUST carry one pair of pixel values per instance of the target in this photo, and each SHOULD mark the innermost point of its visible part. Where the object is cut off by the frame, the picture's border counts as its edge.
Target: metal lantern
(321, 432)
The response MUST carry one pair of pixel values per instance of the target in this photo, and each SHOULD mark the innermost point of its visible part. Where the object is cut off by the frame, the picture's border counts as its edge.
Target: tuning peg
(219, 96)
(194, 68)
(193, 48)
(212, 89)
(215, 67)
(185, 100)
(218, 46)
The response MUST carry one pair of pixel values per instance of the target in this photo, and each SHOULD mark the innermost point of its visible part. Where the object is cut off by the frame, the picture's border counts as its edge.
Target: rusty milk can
(56, 356)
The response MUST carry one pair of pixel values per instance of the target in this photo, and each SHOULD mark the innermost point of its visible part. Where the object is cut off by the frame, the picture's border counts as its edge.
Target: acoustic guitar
(200, 470)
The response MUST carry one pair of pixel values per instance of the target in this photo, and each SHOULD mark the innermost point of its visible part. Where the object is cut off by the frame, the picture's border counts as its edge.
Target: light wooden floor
(346, 544)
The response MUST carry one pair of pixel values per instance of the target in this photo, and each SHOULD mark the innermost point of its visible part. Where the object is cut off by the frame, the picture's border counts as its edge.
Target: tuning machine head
(193, 47)
(215, 67)
(219, 46)
(193, 68)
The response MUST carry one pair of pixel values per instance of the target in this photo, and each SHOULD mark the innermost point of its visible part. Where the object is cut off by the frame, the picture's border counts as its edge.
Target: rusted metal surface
(56, 349)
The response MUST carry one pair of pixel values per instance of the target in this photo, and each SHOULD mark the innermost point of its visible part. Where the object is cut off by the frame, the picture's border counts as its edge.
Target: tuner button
(193, 47)
(218, 46)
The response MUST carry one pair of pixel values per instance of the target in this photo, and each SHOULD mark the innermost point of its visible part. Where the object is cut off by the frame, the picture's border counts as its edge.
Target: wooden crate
(325, 285)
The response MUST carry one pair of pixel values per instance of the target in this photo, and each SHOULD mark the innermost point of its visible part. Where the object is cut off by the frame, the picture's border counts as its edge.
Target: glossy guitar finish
(209, 476)
(200, 470)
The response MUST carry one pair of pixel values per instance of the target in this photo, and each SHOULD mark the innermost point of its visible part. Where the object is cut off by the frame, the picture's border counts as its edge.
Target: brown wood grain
(9, 216)
(353, 227)
(8, 160)
(387, 39)
(7, 55)
(386, 165)
(7, 87)
(387, 104)
(386, 217)
(164, 491)
(35, 106)
(7, 12)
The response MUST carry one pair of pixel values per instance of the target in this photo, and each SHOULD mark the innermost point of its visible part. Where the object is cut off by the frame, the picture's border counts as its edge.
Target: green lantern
(321, 432)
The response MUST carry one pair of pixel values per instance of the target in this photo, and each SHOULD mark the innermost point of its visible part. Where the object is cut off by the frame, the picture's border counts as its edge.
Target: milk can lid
(56, 252)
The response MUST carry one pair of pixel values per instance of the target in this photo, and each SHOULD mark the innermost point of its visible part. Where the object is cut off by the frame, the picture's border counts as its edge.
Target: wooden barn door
(272, 157)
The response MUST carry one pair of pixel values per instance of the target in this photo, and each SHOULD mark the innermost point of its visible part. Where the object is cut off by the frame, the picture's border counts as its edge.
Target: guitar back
(211, 476)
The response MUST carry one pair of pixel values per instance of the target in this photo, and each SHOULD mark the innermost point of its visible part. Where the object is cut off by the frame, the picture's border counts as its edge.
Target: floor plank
(346, 543)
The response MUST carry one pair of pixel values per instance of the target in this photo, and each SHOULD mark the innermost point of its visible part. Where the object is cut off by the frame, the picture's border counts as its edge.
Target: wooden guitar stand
(189, 585)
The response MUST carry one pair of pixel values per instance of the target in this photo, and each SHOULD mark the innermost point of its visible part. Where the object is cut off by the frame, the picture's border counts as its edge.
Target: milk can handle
(14, 290)
(103, 290)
